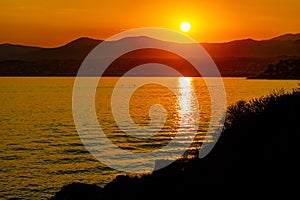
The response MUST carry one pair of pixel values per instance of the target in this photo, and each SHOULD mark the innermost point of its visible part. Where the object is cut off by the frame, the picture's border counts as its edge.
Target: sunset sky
(54, 23)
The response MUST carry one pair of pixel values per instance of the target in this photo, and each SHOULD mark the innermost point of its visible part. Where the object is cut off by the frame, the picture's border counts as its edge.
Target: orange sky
(56, 22)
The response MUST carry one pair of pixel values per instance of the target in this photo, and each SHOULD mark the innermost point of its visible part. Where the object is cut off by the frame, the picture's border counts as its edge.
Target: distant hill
(16, 52)
(289, 36)
(75, 50)
(237, 58)
(252, 48)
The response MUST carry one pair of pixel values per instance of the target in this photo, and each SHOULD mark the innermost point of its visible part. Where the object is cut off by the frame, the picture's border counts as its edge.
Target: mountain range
(239, 58)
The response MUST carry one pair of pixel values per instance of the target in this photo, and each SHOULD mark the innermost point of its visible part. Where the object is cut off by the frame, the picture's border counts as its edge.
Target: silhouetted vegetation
(260, 138)
(79, 191)
(259, 145)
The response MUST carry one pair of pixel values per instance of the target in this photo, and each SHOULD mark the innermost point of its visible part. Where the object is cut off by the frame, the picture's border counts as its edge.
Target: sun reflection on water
(185, 98)
(187, 109)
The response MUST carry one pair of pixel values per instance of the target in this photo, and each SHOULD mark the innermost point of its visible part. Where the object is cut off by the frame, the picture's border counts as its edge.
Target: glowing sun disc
(185, 26)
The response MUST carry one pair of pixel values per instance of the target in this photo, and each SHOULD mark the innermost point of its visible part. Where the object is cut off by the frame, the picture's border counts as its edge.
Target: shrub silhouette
(259, 139)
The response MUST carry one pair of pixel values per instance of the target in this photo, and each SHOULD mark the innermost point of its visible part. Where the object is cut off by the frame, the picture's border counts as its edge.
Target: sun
(185, 26)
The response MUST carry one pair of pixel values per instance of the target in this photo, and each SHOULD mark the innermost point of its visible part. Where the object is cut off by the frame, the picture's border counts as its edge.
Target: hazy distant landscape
(239, 58)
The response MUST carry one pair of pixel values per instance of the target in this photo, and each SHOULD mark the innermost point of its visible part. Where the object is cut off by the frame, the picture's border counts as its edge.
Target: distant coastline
(284, 69)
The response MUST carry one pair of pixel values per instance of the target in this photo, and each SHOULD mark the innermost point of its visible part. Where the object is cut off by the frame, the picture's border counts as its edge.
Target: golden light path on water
(188, 110)
(143, 128)
(185, 89)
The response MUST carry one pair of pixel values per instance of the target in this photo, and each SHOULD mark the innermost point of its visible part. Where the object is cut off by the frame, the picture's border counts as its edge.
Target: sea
(42, 148)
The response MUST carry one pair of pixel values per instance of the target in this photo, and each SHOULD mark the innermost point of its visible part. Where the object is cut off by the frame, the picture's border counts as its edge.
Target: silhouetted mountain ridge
(288, 36)
(14, 52)
(236, 58)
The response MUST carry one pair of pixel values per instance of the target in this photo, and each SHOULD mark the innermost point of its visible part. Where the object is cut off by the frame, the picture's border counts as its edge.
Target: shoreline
(233, 159)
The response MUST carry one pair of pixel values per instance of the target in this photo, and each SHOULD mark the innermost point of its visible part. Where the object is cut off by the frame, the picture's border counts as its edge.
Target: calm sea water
(40, 150)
